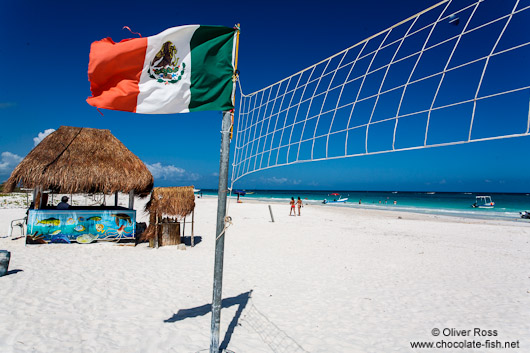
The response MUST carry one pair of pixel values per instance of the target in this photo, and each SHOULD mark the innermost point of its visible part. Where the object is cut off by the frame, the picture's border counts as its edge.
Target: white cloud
(279, 181)
(8, 161)
(170, 172)
(41, 136)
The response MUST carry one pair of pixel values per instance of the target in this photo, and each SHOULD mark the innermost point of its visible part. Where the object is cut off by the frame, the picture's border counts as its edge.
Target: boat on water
(339, 199)
(483, 202)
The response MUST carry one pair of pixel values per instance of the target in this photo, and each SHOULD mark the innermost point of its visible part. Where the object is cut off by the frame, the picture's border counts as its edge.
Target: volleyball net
(454, 73)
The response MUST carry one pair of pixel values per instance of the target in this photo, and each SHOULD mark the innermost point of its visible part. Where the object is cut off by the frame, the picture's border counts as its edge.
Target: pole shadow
(241, 300)
(12, 272)
(197, 239)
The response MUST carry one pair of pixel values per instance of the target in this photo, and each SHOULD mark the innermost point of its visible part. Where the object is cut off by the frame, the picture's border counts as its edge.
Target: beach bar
(75, 160)
(168, 209)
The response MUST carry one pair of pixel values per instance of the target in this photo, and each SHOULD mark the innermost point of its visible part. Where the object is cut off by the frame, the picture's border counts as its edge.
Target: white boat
(337, 200)
(483, 202)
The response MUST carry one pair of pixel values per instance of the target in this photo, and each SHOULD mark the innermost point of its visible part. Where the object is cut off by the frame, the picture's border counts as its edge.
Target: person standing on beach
(293, 211)
(299, 204)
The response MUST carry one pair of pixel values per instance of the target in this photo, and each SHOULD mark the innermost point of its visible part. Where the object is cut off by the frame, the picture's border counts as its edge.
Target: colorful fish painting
(56, 232)
(70, 221)
(100, 227)
(79, 228)
(60, 239)
(50, 221)
(81, 219)
(121, 216)
(86, 238)
(94, 218)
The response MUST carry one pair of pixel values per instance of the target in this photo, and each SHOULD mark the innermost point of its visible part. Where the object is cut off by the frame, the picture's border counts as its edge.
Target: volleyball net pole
(220, 236)
(222, 195)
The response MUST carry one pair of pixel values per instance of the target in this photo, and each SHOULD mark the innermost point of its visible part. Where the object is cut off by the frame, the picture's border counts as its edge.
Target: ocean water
(507, 206)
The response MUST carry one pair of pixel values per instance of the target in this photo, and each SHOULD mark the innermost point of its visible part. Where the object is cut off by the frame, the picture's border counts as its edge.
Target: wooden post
(131, 199)
(152, 223)
(192, 222)
(184, 226)
(156, 229)
(38, 198)
(272, 216)
(34, 193)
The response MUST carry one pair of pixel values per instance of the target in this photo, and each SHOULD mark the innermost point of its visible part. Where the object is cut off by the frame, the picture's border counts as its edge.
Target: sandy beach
(333, 280)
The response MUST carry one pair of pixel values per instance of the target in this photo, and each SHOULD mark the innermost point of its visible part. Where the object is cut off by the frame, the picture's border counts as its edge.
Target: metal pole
(220, 237)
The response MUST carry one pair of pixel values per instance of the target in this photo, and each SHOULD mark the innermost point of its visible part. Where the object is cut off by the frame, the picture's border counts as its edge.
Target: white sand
(333, 280)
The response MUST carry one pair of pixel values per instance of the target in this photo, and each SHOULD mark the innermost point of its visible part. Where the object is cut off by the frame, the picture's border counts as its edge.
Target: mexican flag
(183, 69)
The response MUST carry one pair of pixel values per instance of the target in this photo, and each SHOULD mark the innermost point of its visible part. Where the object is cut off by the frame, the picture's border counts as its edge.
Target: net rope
(454, 73)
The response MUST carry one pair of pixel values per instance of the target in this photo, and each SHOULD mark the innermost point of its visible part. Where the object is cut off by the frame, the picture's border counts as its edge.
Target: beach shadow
(187, 240)
(277, 339)
(12, 272)
(241, 300)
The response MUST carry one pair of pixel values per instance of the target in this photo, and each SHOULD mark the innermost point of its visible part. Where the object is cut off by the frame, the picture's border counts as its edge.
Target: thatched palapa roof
(171, 201)
(73, 159)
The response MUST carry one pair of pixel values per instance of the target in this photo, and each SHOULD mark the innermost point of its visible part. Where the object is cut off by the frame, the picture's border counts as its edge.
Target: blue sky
(44, 85)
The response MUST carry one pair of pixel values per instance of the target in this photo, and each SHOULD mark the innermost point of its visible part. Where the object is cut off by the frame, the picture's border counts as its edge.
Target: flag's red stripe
(114, 72)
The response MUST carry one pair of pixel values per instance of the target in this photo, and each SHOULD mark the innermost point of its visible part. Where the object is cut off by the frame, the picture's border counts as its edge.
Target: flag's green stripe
(211, 68)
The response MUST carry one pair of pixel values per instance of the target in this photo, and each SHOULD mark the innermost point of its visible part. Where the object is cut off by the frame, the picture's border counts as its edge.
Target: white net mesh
(454, 73)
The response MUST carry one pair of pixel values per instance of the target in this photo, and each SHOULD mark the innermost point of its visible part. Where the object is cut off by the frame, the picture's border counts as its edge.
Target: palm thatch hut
(168, 208)
(82, 160)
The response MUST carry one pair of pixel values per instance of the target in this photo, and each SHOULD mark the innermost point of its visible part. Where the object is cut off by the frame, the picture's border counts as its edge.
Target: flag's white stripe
(167, 98)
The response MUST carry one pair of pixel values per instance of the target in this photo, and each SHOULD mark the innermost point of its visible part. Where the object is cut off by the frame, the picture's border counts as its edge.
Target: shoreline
(386, 209)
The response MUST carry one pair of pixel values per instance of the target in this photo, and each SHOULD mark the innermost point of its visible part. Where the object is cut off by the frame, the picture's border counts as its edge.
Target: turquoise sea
(507, 206)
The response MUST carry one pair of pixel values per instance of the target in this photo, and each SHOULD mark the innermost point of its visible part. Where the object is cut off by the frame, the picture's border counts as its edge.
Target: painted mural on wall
(81, 226)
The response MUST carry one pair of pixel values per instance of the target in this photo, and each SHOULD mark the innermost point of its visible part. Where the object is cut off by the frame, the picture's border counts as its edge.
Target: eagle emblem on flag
(164, 67)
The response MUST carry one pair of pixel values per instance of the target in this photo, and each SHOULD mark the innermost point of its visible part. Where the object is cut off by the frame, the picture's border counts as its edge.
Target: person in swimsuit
(299, 204)
(293, 211)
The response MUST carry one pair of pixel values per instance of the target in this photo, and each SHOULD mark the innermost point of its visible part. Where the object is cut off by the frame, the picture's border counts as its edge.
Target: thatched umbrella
(75, 160)
(171, 204)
